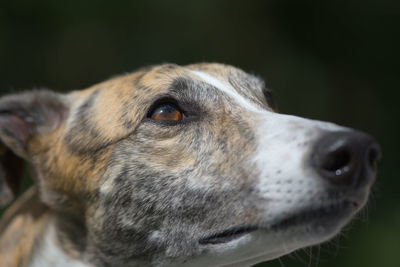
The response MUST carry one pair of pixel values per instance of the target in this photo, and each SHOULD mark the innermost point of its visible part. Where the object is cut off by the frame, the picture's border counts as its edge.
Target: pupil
(168, 109)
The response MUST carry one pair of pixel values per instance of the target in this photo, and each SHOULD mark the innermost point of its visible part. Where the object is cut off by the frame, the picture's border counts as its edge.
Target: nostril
(337, 162)
(346, 158)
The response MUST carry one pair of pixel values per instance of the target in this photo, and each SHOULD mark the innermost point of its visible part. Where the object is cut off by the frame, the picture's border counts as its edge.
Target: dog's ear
(22, 117)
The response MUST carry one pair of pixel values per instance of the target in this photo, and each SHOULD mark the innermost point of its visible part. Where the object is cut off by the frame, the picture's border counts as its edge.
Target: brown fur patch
(21, 227)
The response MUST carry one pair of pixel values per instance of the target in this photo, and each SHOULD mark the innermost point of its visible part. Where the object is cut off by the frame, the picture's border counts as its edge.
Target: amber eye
(167, 112)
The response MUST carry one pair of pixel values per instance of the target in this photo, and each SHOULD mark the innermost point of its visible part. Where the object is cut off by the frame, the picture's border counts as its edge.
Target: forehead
(159, 76)
(147, 83)
(234, 82)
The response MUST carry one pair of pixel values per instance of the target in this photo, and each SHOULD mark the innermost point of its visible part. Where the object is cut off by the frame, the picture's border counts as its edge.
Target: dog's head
(186, 165)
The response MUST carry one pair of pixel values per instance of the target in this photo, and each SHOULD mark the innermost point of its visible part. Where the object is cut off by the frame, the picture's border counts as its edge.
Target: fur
(114, 187)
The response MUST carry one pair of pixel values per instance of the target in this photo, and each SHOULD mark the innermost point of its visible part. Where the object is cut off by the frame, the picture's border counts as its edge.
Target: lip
(227, 235)
(327, 215)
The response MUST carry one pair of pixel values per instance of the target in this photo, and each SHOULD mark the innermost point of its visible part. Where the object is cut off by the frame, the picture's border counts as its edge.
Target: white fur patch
(227, 89)
(50, 255)
(287, 180)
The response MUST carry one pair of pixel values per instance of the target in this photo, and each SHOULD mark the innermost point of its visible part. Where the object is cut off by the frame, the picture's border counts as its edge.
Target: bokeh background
(329, 60)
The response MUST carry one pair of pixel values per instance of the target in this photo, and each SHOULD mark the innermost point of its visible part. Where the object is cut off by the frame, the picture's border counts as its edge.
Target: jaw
(306, 227)
(259, 246)
(249, 249)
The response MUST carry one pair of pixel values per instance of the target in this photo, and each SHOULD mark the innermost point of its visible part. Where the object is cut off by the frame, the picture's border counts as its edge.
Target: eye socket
(167, 112)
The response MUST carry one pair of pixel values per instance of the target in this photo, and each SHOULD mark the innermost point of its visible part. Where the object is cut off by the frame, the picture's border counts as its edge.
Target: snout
(346, 158)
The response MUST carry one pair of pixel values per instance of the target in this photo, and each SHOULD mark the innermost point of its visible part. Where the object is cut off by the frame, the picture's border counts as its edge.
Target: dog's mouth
(326, 216)
(227, 235)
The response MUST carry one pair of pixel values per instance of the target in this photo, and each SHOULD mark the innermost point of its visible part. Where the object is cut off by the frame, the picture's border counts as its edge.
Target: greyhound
(173, 166)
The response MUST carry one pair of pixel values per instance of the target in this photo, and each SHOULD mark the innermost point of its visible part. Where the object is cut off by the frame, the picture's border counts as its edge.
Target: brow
(227, 89)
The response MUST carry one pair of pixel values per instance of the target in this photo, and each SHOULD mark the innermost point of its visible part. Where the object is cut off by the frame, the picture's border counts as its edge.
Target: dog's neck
(32, 227)
(21, 228)
(43, 238)
(51, 254)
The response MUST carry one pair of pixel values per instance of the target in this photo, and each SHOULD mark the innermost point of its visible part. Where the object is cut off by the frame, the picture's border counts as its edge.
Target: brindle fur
(122, 189)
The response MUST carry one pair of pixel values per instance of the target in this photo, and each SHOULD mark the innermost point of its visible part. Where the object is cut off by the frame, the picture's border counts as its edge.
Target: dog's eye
(167, 112)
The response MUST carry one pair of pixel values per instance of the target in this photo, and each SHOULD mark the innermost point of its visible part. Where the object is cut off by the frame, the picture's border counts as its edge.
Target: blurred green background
(328, 60)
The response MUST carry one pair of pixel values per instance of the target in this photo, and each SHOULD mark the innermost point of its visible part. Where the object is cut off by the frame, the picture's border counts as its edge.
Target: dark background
(327, 60)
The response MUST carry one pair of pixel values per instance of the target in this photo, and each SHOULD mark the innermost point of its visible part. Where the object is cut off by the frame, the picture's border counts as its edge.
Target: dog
(173, 166)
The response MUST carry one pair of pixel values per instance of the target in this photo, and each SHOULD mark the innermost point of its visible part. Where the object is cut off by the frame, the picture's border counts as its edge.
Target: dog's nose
(346, 158)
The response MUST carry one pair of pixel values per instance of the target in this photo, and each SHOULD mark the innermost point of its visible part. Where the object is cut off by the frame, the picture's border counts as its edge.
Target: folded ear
(22, 117)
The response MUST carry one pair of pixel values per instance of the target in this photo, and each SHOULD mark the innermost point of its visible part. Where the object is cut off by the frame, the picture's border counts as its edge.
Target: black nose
(346, 158)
